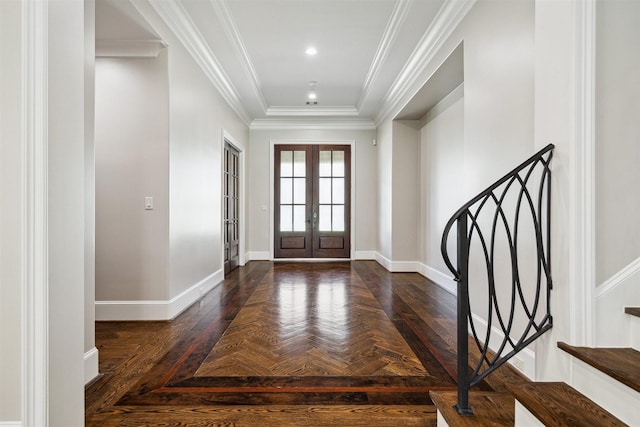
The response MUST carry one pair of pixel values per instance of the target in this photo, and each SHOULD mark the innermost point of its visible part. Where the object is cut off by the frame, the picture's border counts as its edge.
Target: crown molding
(312, 124)
(129, 48)
(179, 22)
(222, 11)
(400, 12)
(448, 18)
(312, 111)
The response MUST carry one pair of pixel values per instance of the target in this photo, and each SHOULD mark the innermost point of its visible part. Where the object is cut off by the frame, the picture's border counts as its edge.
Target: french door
(312, 201)
(231, 208)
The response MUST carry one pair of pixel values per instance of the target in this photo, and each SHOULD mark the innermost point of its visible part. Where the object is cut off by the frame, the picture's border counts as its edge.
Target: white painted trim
(276, 260)
(524, 418)
(129, 48)
(183, 300)
(618, 279)
(444, 281)
(258, 256)
(404, 267)
(221, 9)
(158, 309)
(524, 361)
(312, 111)
(383, 261)
(365, 255)
(91, 365)
(35, 256)
(447, 19)
(582, 182)
(10, 424)
(178, 20)
(312, 124)
(397, 266)
(398, 15)
(272, 144)
(440, 421)
(614, 396)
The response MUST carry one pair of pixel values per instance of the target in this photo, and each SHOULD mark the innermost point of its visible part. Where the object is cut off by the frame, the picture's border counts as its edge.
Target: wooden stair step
(490, 409)
(633, 311)
(622, 364)
(560, 405)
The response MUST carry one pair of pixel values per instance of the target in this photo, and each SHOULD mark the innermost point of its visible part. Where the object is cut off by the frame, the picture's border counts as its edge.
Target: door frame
(228, 138)
(273, 143)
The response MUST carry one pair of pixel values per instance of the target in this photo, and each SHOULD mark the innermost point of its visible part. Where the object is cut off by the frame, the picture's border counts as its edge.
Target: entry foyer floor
(286, 344)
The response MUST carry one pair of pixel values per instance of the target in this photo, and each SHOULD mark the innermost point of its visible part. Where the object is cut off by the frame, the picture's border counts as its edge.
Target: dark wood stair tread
(490, 409)
(560, 405)
(634, 311)
(622, 364)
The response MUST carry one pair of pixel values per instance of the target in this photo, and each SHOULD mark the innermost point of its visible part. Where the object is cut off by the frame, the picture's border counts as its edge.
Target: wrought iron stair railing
(483, 223)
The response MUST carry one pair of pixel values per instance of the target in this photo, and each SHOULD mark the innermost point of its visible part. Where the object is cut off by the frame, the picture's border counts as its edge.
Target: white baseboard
(258, 256)
(525, 361)
(396, 266)
(364, 255)
(10, 423)
(445, 282)
(182, 301)
(91, 365)
(383, 261)
(157, 310)
(404, 266)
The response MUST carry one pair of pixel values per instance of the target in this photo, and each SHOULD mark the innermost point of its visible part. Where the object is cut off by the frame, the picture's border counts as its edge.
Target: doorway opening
(231, 221)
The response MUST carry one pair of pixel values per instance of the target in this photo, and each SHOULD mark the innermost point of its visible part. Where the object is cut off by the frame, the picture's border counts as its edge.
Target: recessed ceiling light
(311, 51)
(312, 95)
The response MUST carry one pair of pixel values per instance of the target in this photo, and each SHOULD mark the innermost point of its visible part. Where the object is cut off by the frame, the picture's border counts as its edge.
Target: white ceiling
(258, 48)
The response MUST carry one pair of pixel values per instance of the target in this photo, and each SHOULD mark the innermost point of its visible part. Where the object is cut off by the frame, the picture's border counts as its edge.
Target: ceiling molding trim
(178, 20)
(221, 8)
(129, 48)
(310, 124)
(448, 18)
(399, 14)
(316, 111)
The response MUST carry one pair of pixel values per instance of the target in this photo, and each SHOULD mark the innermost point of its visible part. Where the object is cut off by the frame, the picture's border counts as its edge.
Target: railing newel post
(462, 406)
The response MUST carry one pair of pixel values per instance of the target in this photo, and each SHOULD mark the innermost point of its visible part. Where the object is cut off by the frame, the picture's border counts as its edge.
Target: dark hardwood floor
(307, 344)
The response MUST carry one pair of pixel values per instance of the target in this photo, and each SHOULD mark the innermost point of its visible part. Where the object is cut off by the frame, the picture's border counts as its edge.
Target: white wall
(617, 135)
(11, 220)
(405, 194)
(198, 117)
(132, 162)
(496, 124)
(442, 180)
(260, 194)
(66, 226)
(617, 173)
(91, 357)
(159, 133)
(385, 182)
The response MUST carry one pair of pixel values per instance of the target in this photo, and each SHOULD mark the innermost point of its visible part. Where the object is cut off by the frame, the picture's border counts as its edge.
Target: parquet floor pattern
(313, 323)
(313, 344)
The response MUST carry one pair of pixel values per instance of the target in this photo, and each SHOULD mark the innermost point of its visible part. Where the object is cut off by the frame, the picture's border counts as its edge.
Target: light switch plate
(148, 203)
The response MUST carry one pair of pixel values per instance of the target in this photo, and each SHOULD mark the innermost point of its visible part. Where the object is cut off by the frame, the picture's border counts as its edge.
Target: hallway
(284, 344)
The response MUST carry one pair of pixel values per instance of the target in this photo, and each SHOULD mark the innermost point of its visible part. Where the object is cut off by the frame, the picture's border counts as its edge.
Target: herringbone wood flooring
(285, 344)
(315, 323)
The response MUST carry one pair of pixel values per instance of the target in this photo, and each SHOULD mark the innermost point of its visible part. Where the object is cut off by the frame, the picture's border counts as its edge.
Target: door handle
(315, 216)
